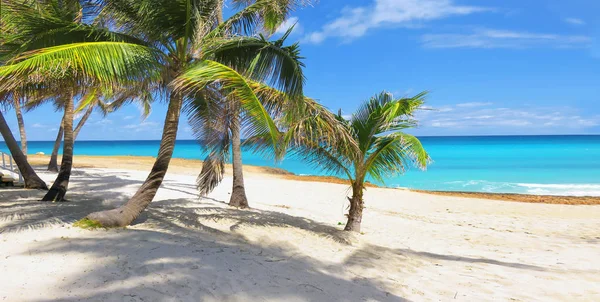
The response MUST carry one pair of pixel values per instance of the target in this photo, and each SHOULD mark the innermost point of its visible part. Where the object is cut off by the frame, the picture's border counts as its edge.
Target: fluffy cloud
(492, 38)
(355, 22)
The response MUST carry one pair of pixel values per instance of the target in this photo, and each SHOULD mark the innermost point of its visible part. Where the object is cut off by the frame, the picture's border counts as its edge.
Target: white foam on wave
(529, 188)
(562, 189)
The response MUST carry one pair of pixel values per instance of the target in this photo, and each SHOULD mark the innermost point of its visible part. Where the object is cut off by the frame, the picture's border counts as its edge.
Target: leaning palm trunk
(32, 180)
(21, 126)
(59, 188)
(128, 212)
(356, 209)
(53, 164)
(238, 193)
(82, 121)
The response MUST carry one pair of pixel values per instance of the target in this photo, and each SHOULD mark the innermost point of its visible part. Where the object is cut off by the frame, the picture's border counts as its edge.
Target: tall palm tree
(89, 102)
(383, 149)
(31, 179)
(217, 126)
(177, 45)
(17, 105)
(213, 122)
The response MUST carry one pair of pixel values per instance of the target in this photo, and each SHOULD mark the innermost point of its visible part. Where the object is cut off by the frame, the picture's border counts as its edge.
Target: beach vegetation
(380, 147)
(177, 49)
(88, 224)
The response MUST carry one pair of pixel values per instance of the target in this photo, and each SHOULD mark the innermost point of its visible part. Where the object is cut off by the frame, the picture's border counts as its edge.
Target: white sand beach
(289, 247)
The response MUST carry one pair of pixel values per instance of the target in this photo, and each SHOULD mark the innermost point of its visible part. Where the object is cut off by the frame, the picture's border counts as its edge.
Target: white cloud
(355, 22)
(287, 24)
(492, 38)
(484, 117)
(128, 117)
(575, 21)
(38, 125)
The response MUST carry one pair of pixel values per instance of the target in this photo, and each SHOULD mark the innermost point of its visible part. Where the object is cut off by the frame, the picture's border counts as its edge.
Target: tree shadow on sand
(190, 265)
(174, 253)
(22, 209)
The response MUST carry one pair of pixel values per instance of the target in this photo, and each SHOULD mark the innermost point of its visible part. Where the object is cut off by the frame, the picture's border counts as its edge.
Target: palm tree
(215, 123)
(14, 99)
(176, 45)
(31, 179)
(383, 149)
(17, 105)
(90, 102)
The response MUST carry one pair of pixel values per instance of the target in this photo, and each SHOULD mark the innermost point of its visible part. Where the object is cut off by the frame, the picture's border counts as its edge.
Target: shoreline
(193, 166)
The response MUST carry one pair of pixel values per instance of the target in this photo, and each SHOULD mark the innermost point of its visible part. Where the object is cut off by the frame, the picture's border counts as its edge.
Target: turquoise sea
(557, 165)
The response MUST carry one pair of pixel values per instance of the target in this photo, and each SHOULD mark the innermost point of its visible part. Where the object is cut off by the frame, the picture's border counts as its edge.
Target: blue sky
(491, 66)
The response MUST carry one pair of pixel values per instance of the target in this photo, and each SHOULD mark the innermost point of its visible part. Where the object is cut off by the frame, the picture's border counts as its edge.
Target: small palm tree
(382, 150)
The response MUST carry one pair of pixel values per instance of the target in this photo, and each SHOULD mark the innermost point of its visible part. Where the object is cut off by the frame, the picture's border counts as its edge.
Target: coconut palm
(214, 123)
(30, 178)
(176, 45)
(217, 125)
(38, 33)
(89, 102)
(383, 149)
(17, 105)
(15, 100)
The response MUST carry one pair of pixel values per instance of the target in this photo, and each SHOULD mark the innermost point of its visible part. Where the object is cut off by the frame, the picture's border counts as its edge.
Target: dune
(290, 247)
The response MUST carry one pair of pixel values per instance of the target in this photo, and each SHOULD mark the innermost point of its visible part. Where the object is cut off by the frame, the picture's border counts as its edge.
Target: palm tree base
(36, 185)
(55, 194)
(53, 168)
(238, 198)
(352, 225)
(356, 212)
(115, 218)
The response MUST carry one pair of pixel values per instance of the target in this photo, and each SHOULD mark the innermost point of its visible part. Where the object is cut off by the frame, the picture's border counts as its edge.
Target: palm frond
(210, 72)
(256, 16)
(210, 122)
(105, 63)
(262, 61)
(393, 154)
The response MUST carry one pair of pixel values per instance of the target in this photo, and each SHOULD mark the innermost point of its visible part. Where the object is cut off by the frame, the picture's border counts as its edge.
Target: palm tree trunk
(238, 193)
(53, 164)
(32, 180)
(219, 12)
(83, 119)
(127, 213)
(61, 184)
(21, 126)
(356, 209)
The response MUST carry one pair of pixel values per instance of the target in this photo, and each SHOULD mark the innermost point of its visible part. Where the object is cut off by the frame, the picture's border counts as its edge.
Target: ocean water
(555, 165)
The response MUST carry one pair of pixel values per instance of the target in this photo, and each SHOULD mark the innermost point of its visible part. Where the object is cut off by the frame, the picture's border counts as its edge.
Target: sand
(290, 247)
